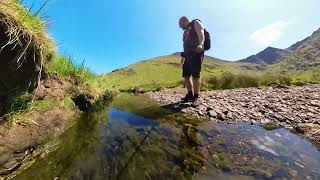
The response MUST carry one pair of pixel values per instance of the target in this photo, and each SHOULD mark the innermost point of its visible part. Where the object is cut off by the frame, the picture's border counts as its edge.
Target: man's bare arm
(200, 32)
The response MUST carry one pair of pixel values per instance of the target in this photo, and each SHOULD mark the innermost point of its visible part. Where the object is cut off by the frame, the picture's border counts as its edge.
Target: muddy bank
(292, 108)
(18, 142)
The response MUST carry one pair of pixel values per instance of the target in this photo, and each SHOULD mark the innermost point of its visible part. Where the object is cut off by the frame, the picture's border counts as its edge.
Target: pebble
(293, 173)
(213, 114)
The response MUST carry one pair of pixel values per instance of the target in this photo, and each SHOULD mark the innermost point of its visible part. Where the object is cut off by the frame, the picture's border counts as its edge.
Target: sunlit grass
(85, 80)
(166, 72)
(22, 23)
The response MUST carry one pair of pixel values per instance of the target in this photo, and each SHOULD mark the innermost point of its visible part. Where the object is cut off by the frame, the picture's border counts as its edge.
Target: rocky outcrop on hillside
(268, 56)
(292, 108)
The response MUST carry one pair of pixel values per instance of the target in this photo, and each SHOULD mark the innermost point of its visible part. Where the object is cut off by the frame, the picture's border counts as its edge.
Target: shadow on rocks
(177, 107)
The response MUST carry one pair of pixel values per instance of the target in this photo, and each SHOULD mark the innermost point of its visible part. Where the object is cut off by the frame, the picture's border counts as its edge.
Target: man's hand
(182, 61)
(199, 49)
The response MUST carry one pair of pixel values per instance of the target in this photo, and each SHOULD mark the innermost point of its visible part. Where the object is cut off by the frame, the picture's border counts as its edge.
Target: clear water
(133, 138)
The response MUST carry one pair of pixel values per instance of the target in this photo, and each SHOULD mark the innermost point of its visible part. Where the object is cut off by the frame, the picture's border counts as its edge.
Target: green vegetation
(23, 27)
(85, 80)
(165, 72)
(232, 81)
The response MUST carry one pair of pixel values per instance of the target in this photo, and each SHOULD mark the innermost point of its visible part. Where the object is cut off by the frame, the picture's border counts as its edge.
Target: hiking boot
(195, 100)
(188, 98)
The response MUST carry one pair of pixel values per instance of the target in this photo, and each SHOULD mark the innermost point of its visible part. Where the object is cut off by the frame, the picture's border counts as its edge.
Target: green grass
(163, 72)
(30, 21)
(85, 80)
(245, 80)
(66, 67)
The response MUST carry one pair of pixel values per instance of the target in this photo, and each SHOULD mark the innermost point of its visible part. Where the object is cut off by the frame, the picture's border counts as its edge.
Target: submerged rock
(83, 101)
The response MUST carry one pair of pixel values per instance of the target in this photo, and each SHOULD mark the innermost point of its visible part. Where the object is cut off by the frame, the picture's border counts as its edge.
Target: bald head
(184, 22)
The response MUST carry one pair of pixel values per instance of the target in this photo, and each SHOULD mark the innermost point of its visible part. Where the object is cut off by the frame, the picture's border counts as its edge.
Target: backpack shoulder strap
(197, 20)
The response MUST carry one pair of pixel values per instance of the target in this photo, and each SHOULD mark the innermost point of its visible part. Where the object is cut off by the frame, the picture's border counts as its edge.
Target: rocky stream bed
(296, 108)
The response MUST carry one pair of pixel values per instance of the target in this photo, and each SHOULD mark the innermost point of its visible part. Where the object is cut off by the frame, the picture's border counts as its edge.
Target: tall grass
(85, 80)
(232, 81)
(66, 67)
(245, 80)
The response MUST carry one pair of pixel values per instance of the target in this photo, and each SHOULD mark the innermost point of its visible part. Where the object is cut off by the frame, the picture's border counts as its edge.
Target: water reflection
(135, 139)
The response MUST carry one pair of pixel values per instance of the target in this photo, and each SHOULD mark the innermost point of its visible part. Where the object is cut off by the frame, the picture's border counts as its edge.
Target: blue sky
(110, 34)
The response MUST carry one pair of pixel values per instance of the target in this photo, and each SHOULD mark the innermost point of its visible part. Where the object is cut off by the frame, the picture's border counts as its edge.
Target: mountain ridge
(270, 55)
(307, 49)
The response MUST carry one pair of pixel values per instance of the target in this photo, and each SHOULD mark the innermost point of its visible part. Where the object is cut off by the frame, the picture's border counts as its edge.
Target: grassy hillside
(305, 54)
(166, 71)
(303, 63)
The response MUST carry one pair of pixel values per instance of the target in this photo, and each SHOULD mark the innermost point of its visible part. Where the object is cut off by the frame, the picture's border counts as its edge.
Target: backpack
(207, 39)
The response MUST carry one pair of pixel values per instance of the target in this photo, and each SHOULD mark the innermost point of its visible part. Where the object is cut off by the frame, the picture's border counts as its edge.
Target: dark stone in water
(271, 126)
(83, 101)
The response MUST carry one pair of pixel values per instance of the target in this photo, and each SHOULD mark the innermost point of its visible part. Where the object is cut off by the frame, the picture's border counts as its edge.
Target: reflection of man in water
(192, 158)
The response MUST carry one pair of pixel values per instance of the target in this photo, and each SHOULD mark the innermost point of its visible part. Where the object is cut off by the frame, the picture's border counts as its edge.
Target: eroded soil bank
(292, 108)
(18, 142)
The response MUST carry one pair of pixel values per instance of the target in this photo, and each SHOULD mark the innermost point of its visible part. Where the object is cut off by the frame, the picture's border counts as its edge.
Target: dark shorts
(192, 64)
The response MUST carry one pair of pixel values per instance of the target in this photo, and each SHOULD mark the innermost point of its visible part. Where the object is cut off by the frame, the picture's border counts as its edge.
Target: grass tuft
(85, 80)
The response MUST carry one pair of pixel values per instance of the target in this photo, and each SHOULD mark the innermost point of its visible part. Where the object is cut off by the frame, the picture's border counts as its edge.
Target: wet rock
(299, 164)
(265, 121)
(221, 116)
(270, 106)
(229, 115)
(253, 122)
(83, 101)
(200, 113)
(213, 114)
(293, 173)
(8, 167)
(277, 135)
(310, 130)
(184, 110)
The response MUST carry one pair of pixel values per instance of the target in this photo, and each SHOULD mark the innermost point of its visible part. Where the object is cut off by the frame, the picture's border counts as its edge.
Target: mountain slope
(268, 56)
(305, 54)
(314, 37)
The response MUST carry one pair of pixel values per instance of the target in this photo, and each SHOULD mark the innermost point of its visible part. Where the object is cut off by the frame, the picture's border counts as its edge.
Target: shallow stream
(133, 138)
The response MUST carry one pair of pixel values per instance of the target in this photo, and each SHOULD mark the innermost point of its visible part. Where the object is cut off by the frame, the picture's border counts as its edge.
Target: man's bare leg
(188, 83)
(189, 86)
(196, 85)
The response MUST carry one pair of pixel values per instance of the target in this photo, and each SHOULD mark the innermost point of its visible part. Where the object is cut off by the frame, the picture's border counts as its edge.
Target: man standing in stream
(196, 40)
